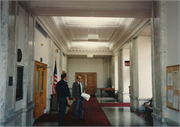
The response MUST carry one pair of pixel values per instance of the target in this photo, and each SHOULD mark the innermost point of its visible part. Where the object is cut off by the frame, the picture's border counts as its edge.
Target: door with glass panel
(40, 83)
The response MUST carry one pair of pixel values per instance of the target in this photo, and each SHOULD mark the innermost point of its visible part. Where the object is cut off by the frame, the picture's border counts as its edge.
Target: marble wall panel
(11, 52)
(3, 57)
(120, 65)
(8, 60)
(31, 28)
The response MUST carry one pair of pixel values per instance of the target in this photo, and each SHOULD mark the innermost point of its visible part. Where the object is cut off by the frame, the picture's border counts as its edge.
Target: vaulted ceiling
(114, 21)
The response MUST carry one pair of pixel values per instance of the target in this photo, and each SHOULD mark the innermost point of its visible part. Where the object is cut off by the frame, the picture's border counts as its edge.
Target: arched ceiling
(114, 21)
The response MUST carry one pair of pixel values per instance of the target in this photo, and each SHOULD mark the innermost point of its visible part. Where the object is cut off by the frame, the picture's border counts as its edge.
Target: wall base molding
(140, 98)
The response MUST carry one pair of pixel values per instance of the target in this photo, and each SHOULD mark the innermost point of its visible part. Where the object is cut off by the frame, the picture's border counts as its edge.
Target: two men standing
(77, 90)
(63, 95)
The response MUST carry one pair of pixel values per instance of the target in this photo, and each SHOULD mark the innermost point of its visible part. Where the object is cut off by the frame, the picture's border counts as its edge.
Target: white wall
(21, 40)
(41, 51)
(64, 63)
(85, 65)
(172, 43)
(144, 67)
(126, 71)
(58, 65)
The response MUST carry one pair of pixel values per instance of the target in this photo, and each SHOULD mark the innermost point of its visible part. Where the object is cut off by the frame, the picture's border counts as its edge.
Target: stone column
(124, 76)
(8, 61)
(112, 71)
(133, 76)
(120, 97)
(158, 63)
(30, 90)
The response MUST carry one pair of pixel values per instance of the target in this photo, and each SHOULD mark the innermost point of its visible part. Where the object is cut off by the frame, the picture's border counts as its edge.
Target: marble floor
(117, 116)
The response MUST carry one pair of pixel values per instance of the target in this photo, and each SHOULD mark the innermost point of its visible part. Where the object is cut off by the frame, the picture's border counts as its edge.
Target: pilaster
(159, 61)
(8, 61)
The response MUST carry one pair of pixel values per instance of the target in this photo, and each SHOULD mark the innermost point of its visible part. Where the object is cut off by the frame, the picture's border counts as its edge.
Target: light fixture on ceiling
(89, 55)
(93, 37)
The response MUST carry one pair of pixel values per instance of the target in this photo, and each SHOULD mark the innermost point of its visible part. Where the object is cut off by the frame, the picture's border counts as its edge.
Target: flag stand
(54, 103)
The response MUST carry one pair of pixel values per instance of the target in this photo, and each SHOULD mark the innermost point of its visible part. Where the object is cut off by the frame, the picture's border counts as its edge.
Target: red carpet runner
(93, 114)
(115, 104)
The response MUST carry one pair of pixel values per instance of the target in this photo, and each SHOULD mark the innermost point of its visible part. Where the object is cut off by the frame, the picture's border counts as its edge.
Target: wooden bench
(107, 89)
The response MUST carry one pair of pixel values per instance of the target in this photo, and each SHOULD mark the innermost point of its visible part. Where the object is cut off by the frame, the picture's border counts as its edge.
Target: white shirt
(80, 86)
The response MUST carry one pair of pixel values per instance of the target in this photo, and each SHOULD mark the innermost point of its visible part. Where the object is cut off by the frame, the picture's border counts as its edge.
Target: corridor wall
(140, 72)
(172, 47)
(85, 65)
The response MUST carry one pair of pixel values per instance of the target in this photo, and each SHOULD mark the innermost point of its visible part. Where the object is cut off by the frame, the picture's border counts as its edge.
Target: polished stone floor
(117, 116)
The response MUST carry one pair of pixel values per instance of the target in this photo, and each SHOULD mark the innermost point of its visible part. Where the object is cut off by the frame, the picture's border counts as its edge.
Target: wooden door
(90, 81)
(40, 83)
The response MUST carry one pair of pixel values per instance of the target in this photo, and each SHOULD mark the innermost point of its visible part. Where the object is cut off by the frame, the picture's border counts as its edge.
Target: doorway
(40, 83)
(90, 81)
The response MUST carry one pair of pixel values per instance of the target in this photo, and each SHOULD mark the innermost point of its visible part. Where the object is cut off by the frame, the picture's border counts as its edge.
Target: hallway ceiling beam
(89, 13)
(96, 8)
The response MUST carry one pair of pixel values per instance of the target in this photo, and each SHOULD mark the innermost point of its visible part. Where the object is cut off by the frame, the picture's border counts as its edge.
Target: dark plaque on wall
(10, 81)
(19, 55)
(19, 88)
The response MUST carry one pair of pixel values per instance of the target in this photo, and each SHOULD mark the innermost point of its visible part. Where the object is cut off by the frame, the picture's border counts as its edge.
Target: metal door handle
(40, 93)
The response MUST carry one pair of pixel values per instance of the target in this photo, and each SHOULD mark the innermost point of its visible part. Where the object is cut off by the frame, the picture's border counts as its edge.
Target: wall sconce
(41, 44)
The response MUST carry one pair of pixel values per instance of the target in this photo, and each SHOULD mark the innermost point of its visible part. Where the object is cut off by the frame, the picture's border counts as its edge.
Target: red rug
(114, 104)
(93, 114)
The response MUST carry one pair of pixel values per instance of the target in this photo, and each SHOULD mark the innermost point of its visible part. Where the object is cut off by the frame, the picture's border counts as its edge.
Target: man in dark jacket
(77, 90)
(63, 95)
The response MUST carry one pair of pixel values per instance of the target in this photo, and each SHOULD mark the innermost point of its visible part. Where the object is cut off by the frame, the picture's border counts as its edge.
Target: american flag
(55, 80)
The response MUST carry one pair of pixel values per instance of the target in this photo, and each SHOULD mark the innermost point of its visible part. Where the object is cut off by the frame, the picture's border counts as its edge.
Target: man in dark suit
(63, 95)
(77, 90)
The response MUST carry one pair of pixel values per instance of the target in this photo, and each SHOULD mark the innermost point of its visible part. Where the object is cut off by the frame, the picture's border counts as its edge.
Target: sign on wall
(127, 63)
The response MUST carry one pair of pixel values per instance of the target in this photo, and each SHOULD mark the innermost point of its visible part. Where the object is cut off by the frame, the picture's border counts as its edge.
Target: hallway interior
(117, 116)
(129, 46)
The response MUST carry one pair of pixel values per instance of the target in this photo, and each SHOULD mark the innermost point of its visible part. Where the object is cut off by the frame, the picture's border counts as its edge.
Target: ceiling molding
(85, 52)
(49, 24)
(64, 34)
(121, 31)
(132, 33)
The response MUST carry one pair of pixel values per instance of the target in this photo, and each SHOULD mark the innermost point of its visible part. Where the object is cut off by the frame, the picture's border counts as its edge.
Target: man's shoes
(74, 120)
(82, 119)
(62, 124)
